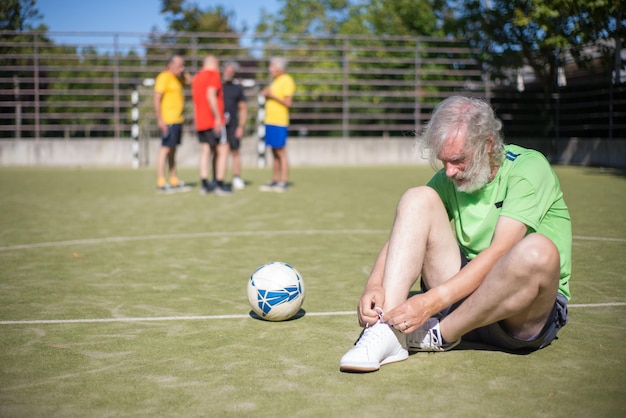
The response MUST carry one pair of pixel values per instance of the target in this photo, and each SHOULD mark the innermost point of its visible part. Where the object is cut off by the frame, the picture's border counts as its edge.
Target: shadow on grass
(606, 171)
(479, 346)
(301, 313)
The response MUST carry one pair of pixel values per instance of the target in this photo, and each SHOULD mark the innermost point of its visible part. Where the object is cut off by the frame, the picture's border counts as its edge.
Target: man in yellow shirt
(279, 98)
(169, 103)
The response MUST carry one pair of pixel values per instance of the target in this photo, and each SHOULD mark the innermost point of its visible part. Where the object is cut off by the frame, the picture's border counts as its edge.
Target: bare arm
(286, 101)
(212, 98)
(508, 232)
(243, 116)
(157, 110)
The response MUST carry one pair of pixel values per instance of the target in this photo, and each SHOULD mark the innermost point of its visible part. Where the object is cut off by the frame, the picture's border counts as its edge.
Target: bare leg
(421, 242)
(205, 155)
(283, 166)
(275, 165)
(519, 291)
(236, 163)
(171, 158)
(221, 161)
(162, 159)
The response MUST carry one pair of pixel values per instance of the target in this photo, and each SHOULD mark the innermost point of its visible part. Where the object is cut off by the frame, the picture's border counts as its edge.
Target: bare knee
(420, 198)
(537, 253)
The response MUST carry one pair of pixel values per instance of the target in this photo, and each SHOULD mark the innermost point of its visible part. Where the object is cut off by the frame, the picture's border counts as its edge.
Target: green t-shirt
(526, 189)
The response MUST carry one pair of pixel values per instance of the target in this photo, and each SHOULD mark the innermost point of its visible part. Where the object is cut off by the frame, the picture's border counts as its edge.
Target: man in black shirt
(235, 114)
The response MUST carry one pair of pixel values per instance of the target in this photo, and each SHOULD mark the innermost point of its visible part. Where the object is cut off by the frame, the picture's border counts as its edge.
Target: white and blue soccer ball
(275, 291)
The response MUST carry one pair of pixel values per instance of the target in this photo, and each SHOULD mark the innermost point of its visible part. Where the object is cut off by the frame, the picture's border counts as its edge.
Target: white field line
(96, 241)
(214, 317)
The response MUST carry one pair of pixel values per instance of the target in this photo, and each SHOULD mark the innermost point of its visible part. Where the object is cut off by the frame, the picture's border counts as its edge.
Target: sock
(443, 340)
(205, 183)
(160, 182)
(174, 181)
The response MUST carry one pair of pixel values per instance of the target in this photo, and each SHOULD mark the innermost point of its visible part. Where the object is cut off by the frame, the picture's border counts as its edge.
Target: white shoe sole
(372, 367)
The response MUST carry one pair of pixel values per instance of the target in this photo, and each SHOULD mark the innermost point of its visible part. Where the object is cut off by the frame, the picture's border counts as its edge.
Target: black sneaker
(281, 187)
(223, 190)
(269, 187)
(207, 187)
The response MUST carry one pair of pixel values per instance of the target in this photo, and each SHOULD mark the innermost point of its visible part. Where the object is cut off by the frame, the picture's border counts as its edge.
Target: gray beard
(478, 177)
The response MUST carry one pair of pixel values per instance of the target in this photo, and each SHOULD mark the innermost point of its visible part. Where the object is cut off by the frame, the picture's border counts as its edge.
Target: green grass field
(118, 302)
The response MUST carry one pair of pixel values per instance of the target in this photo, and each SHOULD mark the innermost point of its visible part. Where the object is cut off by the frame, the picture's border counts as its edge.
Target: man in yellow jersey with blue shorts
(499, 277)
(169, 104)
(279, 98)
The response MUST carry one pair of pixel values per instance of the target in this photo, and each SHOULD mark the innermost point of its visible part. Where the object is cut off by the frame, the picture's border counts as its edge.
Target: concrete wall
(302, 152)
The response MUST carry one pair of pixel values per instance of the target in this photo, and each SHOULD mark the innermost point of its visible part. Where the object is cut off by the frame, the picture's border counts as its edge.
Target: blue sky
(135, 15)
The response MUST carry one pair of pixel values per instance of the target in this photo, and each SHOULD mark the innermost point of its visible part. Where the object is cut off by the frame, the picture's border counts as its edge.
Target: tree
(306, 17)
(373, 48)
(184, 19)
(405, 17)
(18, 15)
(19, 18)
(510, 34)
(355, 17)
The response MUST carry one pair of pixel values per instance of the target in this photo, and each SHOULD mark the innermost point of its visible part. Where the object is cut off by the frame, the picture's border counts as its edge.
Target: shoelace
(380, 312)
(367, 334)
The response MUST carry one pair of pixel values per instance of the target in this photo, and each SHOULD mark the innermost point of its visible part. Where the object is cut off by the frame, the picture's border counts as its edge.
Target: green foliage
(509, 34)
(186, 19)
(345, 17)
(404, 17)
(380, 50)
(18, 15)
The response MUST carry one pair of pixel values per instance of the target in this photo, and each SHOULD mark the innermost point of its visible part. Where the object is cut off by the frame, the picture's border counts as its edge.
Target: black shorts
(233, 142)
(173, 136)
(495, 335)
(210, 137)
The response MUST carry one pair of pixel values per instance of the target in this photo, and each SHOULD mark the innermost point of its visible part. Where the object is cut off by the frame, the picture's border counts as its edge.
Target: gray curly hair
(279, 62)
(475, 117)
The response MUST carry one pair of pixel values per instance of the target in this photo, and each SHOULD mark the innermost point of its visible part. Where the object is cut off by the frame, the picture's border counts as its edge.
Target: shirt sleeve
(530, 192)
(240, 96)
(160, 84)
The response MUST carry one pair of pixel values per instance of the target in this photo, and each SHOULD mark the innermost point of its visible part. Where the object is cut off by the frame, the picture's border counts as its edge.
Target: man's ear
(491, 141)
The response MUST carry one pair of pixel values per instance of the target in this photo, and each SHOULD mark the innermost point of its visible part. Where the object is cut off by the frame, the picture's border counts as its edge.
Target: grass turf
(99, 244)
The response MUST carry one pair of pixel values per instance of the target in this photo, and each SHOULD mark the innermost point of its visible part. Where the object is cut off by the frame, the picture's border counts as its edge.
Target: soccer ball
(275, 291)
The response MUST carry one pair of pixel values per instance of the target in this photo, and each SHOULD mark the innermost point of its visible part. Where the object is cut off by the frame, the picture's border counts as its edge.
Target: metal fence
(79, 85)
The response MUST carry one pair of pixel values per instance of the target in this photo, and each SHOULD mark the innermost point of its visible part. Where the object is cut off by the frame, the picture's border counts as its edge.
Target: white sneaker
(238, 183)
(428, 338)
(379, 344)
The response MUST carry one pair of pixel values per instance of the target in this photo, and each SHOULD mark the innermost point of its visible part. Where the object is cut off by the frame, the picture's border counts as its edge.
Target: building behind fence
(80, 86)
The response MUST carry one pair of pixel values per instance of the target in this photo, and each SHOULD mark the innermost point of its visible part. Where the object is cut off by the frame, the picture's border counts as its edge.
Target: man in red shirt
(208, 103)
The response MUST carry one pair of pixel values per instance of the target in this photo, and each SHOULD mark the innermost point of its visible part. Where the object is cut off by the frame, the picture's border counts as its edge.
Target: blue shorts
(276, 136)
(173, 136)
